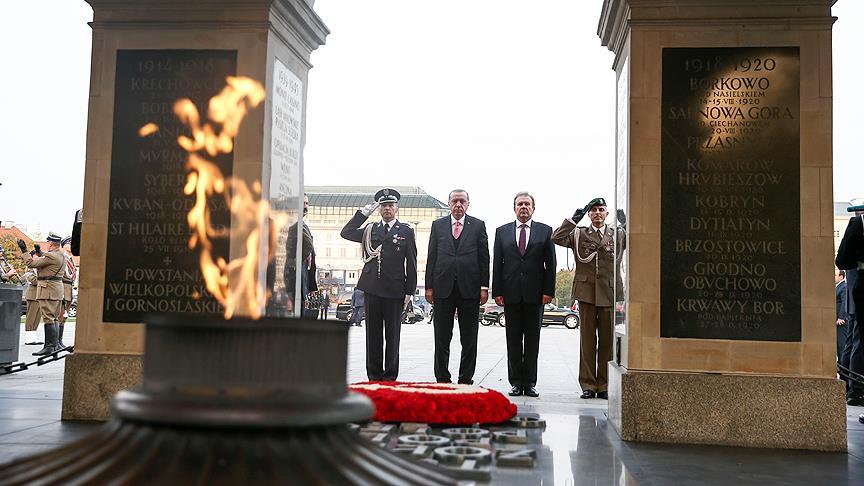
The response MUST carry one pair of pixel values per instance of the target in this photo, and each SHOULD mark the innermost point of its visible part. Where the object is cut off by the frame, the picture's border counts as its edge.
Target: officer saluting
(594, 248)
(49, 292)
(388, 280)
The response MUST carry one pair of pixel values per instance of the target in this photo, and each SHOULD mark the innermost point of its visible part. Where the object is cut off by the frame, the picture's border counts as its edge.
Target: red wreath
(436, 403)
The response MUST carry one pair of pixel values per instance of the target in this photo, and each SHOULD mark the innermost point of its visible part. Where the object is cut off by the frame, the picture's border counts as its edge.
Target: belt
(49, 278)
(70, 282)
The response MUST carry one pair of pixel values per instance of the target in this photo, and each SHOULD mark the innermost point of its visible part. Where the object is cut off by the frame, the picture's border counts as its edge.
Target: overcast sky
(490, 95)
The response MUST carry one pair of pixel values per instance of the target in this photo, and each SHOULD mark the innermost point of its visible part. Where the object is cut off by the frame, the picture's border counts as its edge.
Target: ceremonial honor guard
(33, 315)
(593, 279)
(70, 273)
(50, 267)
(388, 280)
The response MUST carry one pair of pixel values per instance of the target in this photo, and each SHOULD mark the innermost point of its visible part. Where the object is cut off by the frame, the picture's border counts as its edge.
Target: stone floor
(578, 447)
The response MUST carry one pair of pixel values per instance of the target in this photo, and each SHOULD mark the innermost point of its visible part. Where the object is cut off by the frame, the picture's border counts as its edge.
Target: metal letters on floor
(472, 452)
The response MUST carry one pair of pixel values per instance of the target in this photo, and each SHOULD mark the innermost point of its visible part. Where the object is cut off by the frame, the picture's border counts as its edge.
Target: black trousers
(523, 342)
(469, 311)
(382, 317)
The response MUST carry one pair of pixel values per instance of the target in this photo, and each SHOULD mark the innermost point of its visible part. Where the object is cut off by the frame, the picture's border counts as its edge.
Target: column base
(91, 381)
(732, 410)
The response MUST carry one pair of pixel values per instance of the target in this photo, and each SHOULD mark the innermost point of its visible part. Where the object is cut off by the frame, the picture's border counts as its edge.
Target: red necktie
(522, 243)
(457, 229)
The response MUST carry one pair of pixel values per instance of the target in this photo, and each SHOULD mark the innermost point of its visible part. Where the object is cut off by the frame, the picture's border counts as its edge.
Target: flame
(233, 283)
(148, 129)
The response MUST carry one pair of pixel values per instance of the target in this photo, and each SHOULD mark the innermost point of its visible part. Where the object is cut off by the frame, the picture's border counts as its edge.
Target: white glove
(407, 301)
(369, 209)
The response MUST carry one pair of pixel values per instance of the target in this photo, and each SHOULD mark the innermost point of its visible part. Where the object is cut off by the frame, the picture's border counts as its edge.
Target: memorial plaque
(149, 268)
(730, 211)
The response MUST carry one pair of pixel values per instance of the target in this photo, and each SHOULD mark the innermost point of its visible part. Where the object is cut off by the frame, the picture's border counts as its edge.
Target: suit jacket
(849, 255)
(465, 265)
(840, 298)
(398, 275)
(49, 268)
(523, 278)
(593, 282)
(307, 255)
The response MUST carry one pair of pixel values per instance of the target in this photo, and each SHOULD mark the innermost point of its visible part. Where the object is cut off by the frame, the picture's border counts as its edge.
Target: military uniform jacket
(592, 281)
(49, 270)
(398, 270)
(32, 285)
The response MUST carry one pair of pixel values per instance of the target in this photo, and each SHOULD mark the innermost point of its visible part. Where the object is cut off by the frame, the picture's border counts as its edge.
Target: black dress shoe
(530, 391)
(604, 395)
(466, 382)
(588, 394)
(516, 391)
(443, 381)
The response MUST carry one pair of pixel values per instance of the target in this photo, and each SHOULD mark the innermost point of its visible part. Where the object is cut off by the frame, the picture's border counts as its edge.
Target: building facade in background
(339, 261)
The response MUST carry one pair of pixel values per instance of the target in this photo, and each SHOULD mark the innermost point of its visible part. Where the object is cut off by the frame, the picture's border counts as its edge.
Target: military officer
(49, 292)
(33, 314)
(69, 275)
(593, 277)
(388, 280)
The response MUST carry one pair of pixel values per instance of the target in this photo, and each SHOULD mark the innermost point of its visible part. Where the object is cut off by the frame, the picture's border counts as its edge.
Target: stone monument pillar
(725, 334)
(135, 257)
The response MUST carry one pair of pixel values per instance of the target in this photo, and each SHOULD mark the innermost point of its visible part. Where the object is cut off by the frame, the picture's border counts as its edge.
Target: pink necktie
(457, 229)
(522, 243)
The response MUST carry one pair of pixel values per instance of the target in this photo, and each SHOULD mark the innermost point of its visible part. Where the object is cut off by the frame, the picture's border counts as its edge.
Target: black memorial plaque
(730, 235)
(149, 267)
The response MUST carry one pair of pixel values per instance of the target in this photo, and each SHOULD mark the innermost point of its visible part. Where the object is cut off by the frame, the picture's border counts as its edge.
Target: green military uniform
(593, 284)
(49, 292)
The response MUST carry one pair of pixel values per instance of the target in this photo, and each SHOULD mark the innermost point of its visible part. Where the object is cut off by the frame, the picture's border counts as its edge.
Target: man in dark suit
(388, 280)
(308, 271)
(850, 257)
(457, 278)
(842, 318)
(523, 281)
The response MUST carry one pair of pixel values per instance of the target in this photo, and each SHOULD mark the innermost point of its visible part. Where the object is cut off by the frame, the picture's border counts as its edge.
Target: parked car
(73, 308)
(343, 306)
(567, 317)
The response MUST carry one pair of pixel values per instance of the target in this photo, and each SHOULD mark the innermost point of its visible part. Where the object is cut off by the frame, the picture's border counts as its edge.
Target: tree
(563, 283)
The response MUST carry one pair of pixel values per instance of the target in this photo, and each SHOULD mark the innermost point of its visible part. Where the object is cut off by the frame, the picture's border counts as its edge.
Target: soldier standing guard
(594, 247)
(49, 292)
(33, 315)
(69, 275)
(388, 280)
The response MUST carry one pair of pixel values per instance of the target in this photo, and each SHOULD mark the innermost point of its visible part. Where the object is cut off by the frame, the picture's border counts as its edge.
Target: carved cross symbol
(167, 261)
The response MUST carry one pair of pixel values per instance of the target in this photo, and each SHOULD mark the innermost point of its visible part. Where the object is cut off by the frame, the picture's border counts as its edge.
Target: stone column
(134, 257)
(724, 171)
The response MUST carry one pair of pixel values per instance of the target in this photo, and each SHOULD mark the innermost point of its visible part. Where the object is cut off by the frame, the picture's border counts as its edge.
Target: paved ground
(578, 446)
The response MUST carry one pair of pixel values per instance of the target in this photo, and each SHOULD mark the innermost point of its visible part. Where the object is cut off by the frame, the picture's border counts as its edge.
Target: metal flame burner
(233, 402)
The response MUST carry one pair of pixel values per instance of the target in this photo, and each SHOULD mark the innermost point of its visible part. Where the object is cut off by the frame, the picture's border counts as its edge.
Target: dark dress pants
(854, 336)
(469, 311)
(382, 317)
(523, 342)
(595, 333)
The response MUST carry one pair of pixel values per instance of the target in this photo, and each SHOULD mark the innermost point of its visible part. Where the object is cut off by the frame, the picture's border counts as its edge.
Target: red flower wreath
(436, 403)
